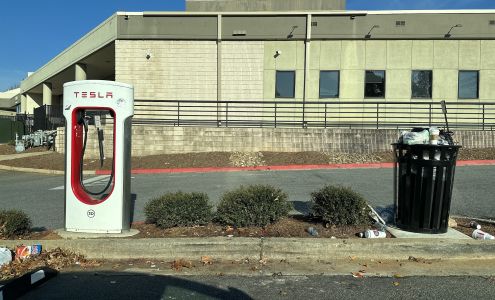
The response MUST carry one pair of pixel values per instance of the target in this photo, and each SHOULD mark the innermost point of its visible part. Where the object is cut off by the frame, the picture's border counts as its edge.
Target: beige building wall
(32, 101)
(187, 70)
(167, 70)
(398, 58)
(242, 70)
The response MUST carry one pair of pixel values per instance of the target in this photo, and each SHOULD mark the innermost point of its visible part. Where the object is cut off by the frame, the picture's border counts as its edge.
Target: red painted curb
(288, 167)
(476, 163)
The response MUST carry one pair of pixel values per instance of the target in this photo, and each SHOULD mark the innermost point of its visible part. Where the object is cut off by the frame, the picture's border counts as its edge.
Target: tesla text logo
(100, 95)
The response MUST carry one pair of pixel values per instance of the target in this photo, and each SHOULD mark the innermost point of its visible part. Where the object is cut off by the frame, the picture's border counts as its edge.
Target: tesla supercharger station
(99, 111)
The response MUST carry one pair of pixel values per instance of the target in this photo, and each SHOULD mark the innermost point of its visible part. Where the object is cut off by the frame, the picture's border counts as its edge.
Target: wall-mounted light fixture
(448, 35)
(368, 35)
(291, 33)
(239, 33)
(277, 53)
(148, 54)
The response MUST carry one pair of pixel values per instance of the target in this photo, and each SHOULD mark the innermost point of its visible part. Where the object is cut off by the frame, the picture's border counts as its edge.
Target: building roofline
(288, 13)
(51, 68)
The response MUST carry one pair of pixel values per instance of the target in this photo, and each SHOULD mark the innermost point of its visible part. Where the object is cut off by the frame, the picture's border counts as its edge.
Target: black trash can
(423, 181)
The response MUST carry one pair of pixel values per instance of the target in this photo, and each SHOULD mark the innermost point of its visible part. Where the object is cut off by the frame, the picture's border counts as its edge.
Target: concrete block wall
(242, 70)
(151, 140)
(176, 70)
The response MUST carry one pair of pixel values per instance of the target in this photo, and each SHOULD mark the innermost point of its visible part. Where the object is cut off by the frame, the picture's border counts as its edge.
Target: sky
(32, 32)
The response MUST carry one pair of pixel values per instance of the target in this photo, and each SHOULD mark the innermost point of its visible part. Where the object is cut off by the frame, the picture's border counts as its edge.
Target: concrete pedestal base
(450, 234)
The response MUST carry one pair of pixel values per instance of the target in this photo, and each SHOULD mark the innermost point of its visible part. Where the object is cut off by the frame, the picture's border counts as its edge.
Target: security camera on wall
(277, 53)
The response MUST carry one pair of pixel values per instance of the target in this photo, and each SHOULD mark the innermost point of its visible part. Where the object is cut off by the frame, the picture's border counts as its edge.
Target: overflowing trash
(37, 139)
(373, 234)
(478, 234)
(27, 258)
(424, 136)
(23, 252)
(312, 231)
(5, 256)
(475, 225)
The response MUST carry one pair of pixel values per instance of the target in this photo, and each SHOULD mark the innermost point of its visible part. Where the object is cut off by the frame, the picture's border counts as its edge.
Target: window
(329, 84)
(421, 84)
(374, 86)
(468, 84)
(285, 84)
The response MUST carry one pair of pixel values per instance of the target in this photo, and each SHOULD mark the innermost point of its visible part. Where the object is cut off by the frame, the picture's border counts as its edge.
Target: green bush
(253, 205)
(339, 205)
(14, 223)
(179, 209)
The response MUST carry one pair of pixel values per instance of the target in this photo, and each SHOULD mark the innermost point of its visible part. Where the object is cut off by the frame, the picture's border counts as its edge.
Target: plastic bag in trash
(5, 256)
(416, 137)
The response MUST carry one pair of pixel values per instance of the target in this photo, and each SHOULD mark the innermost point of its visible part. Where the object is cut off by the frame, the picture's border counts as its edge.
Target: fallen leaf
(357, 274)
(396, 283)
(206, 260)
(177, 265)
(398, 276)
(353, 257)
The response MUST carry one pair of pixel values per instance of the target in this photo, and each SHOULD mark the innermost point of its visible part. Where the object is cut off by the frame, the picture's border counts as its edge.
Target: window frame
(384, 84)
(431, 94)
(477, 84)
(338, 85)
(293, 87)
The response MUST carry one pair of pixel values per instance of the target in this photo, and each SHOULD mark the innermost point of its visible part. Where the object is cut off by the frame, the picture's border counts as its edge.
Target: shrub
(339, 205)
(179, 209)
(14, 223)
(253, 205)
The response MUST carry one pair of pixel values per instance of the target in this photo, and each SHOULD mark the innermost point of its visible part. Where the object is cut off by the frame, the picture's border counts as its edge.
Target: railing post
(275, 114)
(325, 115)
(178, 113)
(227, 114)
(483, 121)
(429, 121)
(377, 114)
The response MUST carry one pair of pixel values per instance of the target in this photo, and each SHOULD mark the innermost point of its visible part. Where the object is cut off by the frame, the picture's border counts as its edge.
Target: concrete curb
(32, 170)
(294, 249)
(39, 171)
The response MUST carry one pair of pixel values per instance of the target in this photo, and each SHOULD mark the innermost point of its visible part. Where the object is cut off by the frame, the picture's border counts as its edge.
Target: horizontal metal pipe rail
(321, 114)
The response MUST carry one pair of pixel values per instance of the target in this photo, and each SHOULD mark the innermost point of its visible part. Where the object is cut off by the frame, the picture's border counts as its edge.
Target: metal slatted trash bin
(423, 181)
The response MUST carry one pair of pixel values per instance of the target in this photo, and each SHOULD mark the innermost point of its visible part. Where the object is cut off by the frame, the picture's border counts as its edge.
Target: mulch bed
(55, 161)
(35, 235)
(9, 149)
(288, 227)
(463, 226)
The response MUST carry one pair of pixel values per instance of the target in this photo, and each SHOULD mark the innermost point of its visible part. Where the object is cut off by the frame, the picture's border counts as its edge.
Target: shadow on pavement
(123, 285)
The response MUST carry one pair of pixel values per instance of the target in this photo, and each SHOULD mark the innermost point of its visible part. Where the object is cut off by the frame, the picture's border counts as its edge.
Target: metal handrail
(348, 114)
